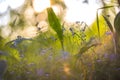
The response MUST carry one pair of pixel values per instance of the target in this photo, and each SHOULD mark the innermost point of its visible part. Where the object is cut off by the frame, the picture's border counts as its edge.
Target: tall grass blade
(105, 7)
(108, 23)
(117, 34)
(98, 17)
(117, 23)
(112, 30)
(55, 24)
(91, 43)
(98, 27)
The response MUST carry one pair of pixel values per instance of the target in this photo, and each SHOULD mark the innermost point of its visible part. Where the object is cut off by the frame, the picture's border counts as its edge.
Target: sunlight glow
(3, 6)
(15, 3)
(66, 68)
(56, 9)
(40, 5)
(78, 11)
(4, 19)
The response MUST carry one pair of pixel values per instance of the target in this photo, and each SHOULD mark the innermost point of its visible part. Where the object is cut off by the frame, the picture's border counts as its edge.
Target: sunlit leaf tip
(55, 24)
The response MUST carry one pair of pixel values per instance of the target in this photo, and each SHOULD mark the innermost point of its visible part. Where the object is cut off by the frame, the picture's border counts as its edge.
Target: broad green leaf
(117, 23)
(117, 29)
(55, 24)
(108, 23)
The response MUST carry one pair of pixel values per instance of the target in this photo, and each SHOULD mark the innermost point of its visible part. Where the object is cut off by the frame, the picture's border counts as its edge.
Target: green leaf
(98, 17)
(91, 43)
(55, 24)
(105, 7)
(98, 27)
(117, 23)
(117, 35)
(108, 23)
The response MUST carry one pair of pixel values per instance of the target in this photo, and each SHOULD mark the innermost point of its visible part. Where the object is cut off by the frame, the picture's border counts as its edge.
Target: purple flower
(28, 72)
(47, 74)
(65, 55)
(99, 60)
(43, 51)
(40, 72)
(108, 33)
(112, 57)
(118, 69)
(89, 64)
(106, 55)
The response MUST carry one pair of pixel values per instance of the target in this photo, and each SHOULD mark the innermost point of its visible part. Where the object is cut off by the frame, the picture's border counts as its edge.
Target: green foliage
(97, 17)
(91, 43)
(92, 31)
(117, 23)
(108, 23)
(98, 27)
(55, 24)
(17, 20)
(42, 58)
(105, 7)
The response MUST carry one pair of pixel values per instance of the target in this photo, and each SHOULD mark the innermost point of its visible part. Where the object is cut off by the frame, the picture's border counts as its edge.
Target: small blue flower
(65, 55)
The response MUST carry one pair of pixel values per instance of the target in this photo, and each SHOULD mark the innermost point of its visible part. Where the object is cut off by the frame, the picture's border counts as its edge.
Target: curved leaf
(108, 23)
(117, 23)
(55, 24)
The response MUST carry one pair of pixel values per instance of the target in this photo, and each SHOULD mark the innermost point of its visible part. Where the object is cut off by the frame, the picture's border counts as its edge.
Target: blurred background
(80, 42)
(29, 14)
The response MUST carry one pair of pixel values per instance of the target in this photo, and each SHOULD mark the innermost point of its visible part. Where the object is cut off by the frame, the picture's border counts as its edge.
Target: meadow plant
(63, 52)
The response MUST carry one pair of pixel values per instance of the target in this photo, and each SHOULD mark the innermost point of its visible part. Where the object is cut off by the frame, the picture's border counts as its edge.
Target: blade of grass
(98, 27)
(55, 24)
(117, 23)
(98, 17)
(91, 43)
(105, 7)
(117, 32)
(112, 30)
(108, 23)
